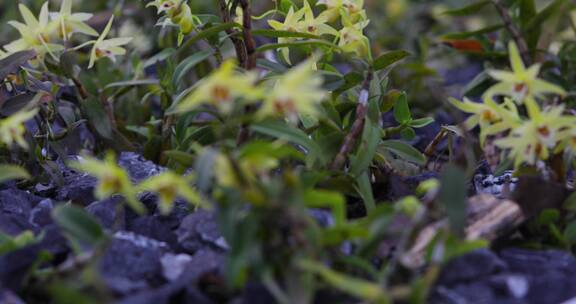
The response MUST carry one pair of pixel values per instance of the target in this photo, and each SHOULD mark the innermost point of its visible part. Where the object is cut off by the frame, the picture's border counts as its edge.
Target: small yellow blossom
(12, 128)
(301, 21)
(106, 47)
(178, 12)
(299, 91)
(35, 33)
(252, 169)
(222, 88)
(169, 187)
(336, 8)
(352, 38)
(532, 140)
(490, 116)
(522, 83)
(112, 179)
(69, 23)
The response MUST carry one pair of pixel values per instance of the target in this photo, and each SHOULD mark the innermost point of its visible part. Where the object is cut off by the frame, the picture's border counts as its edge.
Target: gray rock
(131, 263)
(199, 230)
(40, 215)
(471, 267)
(105, 212)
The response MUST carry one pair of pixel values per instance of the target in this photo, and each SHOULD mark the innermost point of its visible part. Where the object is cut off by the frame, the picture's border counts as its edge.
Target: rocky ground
(179, 258)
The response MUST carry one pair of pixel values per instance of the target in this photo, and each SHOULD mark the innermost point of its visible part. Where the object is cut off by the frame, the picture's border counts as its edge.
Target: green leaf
(9, 172)
(78, 224)
(12, 63)
(468, 9)
(364, 188)
(290, 134)
(536, 23)
(97, 117)
(570, 233)
(132, 83)
(453, 196)
(408, 133)
(421, 122)
(402, 110)
(183, 158)
(283, 34)
(207, 33)
(367, 148)
(365, 290)
(189, 63)
(548, 217)
(306, 43)
(314, 198)
(404, 151)
(389, 58)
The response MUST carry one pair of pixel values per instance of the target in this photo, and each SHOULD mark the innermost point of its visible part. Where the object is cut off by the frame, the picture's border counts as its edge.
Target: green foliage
(292, 110)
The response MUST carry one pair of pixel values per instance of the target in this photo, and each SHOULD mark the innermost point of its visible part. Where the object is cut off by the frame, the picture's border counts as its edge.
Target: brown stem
(247, 33)
(514, 31)
(250, 62)
(357, 126)
(238, 43)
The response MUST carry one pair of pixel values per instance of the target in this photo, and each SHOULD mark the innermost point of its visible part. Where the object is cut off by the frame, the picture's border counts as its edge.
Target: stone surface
(131, 263)
(199, 230)
(512, 276)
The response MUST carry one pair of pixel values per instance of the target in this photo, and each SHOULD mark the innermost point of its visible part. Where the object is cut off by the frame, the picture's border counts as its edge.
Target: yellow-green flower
(298, 91)
(103, 47)
(178, 13)
(252, 169)
(336, 8)
(522, 82)
(531, 141)
(69, 23)
(301, 21)
(12, 128)
(352, 38)
(112, 179)
(222, 88)
(169, 186)
(34, 33)
(490, 116)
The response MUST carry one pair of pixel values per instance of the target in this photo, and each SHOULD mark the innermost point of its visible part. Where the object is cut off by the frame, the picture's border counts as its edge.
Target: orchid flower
(222, 88)
(170, 186)
(521, 83)
(106, 47)
(298, 91)
(12, 128)
(112, 179)
(70, 23)
(34, 33)
(490, 116)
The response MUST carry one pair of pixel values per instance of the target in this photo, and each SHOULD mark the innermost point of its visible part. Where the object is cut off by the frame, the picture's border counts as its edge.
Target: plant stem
(514, 31)
(357, 126)
(238, 43)
(250, 62)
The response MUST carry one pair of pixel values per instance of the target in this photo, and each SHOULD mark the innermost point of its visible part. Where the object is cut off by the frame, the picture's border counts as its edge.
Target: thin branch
(250, 62)
(357, 126)
(247, 33)
(238, 43)
(514, 31)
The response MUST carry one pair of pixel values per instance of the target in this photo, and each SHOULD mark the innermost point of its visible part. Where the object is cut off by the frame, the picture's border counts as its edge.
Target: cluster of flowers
(296, 92)
(176, 13)
(49, 33)
(114, 180)
(350, 37)
(546, 129)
